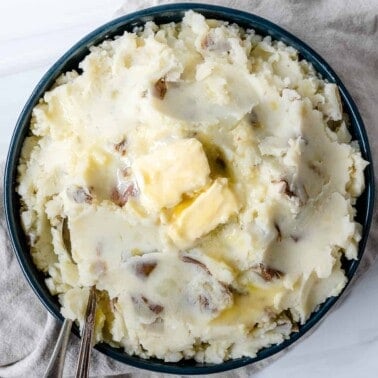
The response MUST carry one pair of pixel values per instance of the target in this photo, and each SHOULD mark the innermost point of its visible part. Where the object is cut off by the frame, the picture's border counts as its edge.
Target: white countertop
(33, 34)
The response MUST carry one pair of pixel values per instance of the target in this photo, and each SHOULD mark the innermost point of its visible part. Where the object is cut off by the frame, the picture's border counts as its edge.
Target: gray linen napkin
(343, 32)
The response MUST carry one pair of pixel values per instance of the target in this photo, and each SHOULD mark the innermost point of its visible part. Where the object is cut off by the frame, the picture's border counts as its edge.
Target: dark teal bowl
(70, 60)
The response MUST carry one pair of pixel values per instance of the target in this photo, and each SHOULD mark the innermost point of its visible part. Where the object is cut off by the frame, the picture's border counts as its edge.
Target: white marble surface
(33, 34)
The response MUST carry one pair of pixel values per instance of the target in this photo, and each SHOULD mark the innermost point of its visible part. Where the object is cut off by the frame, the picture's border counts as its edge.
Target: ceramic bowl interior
(70, 60)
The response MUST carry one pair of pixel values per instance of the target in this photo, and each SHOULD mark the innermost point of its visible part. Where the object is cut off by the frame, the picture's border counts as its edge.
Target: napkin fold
(344, 32)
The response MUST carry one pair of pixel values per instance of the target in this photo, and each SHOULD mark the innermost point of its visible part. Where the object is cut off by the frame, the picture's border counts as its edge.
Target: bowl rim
(94, 38)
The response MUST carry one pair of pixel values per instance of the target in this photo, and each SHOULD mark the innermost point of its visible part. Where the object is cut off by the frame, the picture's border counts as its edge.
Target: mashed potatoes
(203, 178)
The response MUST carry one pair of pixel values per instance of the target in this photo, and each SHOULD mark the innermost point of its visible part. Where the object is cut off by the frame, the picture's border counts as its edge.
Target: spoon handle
(82, 369)
(56, 363)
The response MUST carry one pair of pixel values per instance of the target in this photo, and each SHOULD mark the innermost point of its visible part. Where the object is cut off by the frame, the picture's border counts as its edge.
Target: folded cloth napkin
(343, 32)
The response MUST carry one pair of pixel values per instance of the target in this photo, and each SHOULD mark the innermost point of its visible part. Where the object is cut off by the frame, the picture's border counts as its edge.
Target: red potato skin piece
(121, 198)
(160, 88)
(144, 268)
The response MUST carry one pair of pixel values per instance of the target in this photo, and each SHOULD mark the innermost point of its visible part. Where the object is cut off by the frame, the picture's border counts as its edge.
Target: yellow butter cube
(168, 172)
(207, 211)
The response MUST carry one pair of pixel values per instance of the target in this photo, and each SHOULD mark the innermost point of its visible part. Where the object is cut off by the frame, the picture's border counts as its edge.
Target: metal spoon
(82, 369)
(56, 364)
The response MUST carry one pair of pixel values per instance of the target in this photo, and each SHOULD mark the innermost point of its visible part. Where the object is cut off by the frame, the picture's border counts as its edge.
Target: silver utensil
(82, 369)
(56, 364)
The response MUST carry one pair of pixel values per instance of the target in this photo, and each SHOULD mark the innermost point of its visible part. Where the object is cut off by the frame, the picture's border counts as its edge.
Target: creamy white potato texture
(203, 178)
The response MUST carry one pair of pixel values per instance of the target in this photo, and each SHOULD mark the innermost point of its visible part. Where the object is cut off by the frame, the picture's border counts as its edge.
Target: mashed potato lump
(203, 178)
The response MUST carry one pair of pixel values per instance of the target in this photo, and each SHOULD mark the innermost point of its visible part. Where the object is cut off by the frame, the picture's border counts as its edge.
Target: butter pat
(168, 172)
(207, 211)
